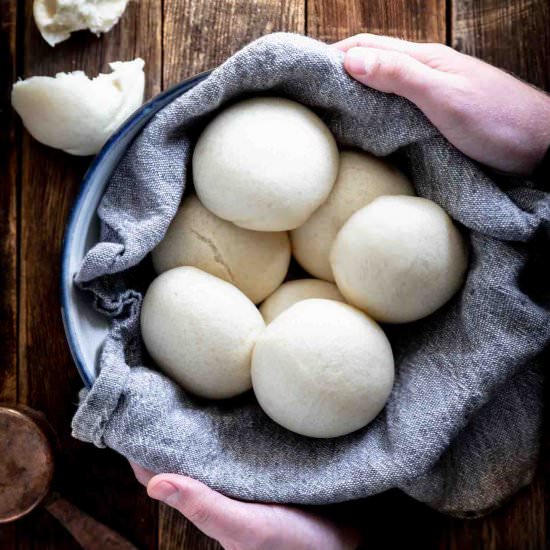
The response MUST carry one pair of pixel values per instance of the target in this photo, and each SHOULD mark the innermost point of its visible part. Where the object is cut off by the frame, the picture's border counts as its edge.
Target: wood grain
(332, 20)
(176, 533)
(512, 35)
(8, 207)
(518, 524)
(100, 482)
(8, 224)
(199, 36)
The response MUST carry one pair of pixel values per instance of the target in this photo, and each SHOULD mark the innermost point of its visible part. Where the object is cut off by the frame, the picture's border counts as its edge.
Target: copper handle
(88, 532)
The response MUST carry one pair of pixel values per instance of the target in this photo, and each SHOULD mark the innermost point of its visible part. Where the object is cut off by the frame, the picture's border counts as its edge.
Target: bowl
(85, 328)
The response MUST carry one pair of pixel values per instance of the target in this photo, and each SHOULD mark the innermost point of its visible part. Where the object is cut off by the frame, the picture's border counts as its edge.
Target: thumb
(391, 72)
(215, 515)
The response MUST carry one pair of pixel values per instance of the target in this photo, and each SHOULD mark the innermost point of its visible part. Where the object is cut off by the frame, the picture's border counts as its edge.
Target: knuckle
(441, 57)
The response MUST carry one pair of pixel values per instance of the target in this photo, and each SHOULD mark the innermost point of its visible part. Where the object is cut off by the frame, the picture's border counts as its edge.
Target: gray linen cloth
(461, 429)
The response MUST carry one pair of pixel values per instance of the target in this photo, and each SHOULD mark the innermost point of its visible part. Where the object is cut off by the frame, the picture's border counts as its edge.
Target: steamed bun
(399, 259)
(75, 113)
(265, 164)
(255, 262)
(322, 369)
(57, 19)
(292, 292)
(361, 179)
(200, 331)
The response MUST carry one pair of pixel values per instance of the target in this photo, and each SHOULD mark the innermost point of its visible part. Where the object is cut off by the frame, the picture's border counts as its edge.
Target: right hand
(240, 525)
(483, 111)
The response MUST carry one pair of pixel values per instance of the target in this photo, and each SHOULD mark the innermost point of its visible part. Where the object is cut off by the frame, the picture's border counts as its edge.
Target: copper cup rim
(15, 411)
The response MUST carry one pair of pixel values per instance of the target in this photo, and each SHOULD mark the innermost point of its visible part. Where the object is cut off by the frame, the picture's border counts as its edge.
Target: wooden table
(178, 38)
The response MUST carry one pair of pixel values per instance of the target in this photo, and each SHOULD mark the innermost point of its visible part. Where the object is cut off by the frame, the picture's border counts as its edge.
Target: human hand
(240, 525)
(483, 111)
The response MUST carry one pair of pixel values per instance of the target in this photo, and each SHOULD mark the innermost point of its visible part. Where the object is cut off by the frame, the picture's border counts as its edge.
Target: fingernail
(164, 491)
(359, 61)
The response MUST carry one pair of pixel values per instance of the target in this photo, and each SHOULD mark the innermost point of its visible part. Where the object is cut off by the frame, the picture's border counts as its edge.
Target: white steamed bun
(57, 19)
(265, 164)
(200, 330)
(399, 259)
(361, 179)
(292, 292)
(76, 114)
(322, 369)
(256, 262)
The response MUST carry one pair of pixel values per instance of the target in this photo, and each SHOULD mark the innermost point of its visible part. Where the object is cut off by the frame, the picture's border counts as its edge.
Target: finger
(142, 475)
(215, 515)
(391, 72)
(421, 51)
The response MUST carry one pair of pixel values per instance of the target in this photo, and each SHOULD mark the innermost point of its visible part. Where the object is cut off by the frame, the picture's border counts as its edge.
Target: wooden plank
(513, 35)
(518, 524)
(332, 20)
(8, 225)
(199, 36)
(8, 207)
(98, 481)
(176, 533)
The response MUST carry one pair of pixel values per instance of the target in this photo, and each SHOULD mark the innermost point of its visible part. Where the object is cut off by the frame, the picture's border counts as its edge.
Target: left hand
(240, 525)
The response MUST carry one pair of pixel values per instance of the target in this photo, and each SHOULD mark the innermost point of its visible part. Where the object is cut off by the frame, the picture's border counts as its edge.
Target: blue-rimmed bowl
(84, 327)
